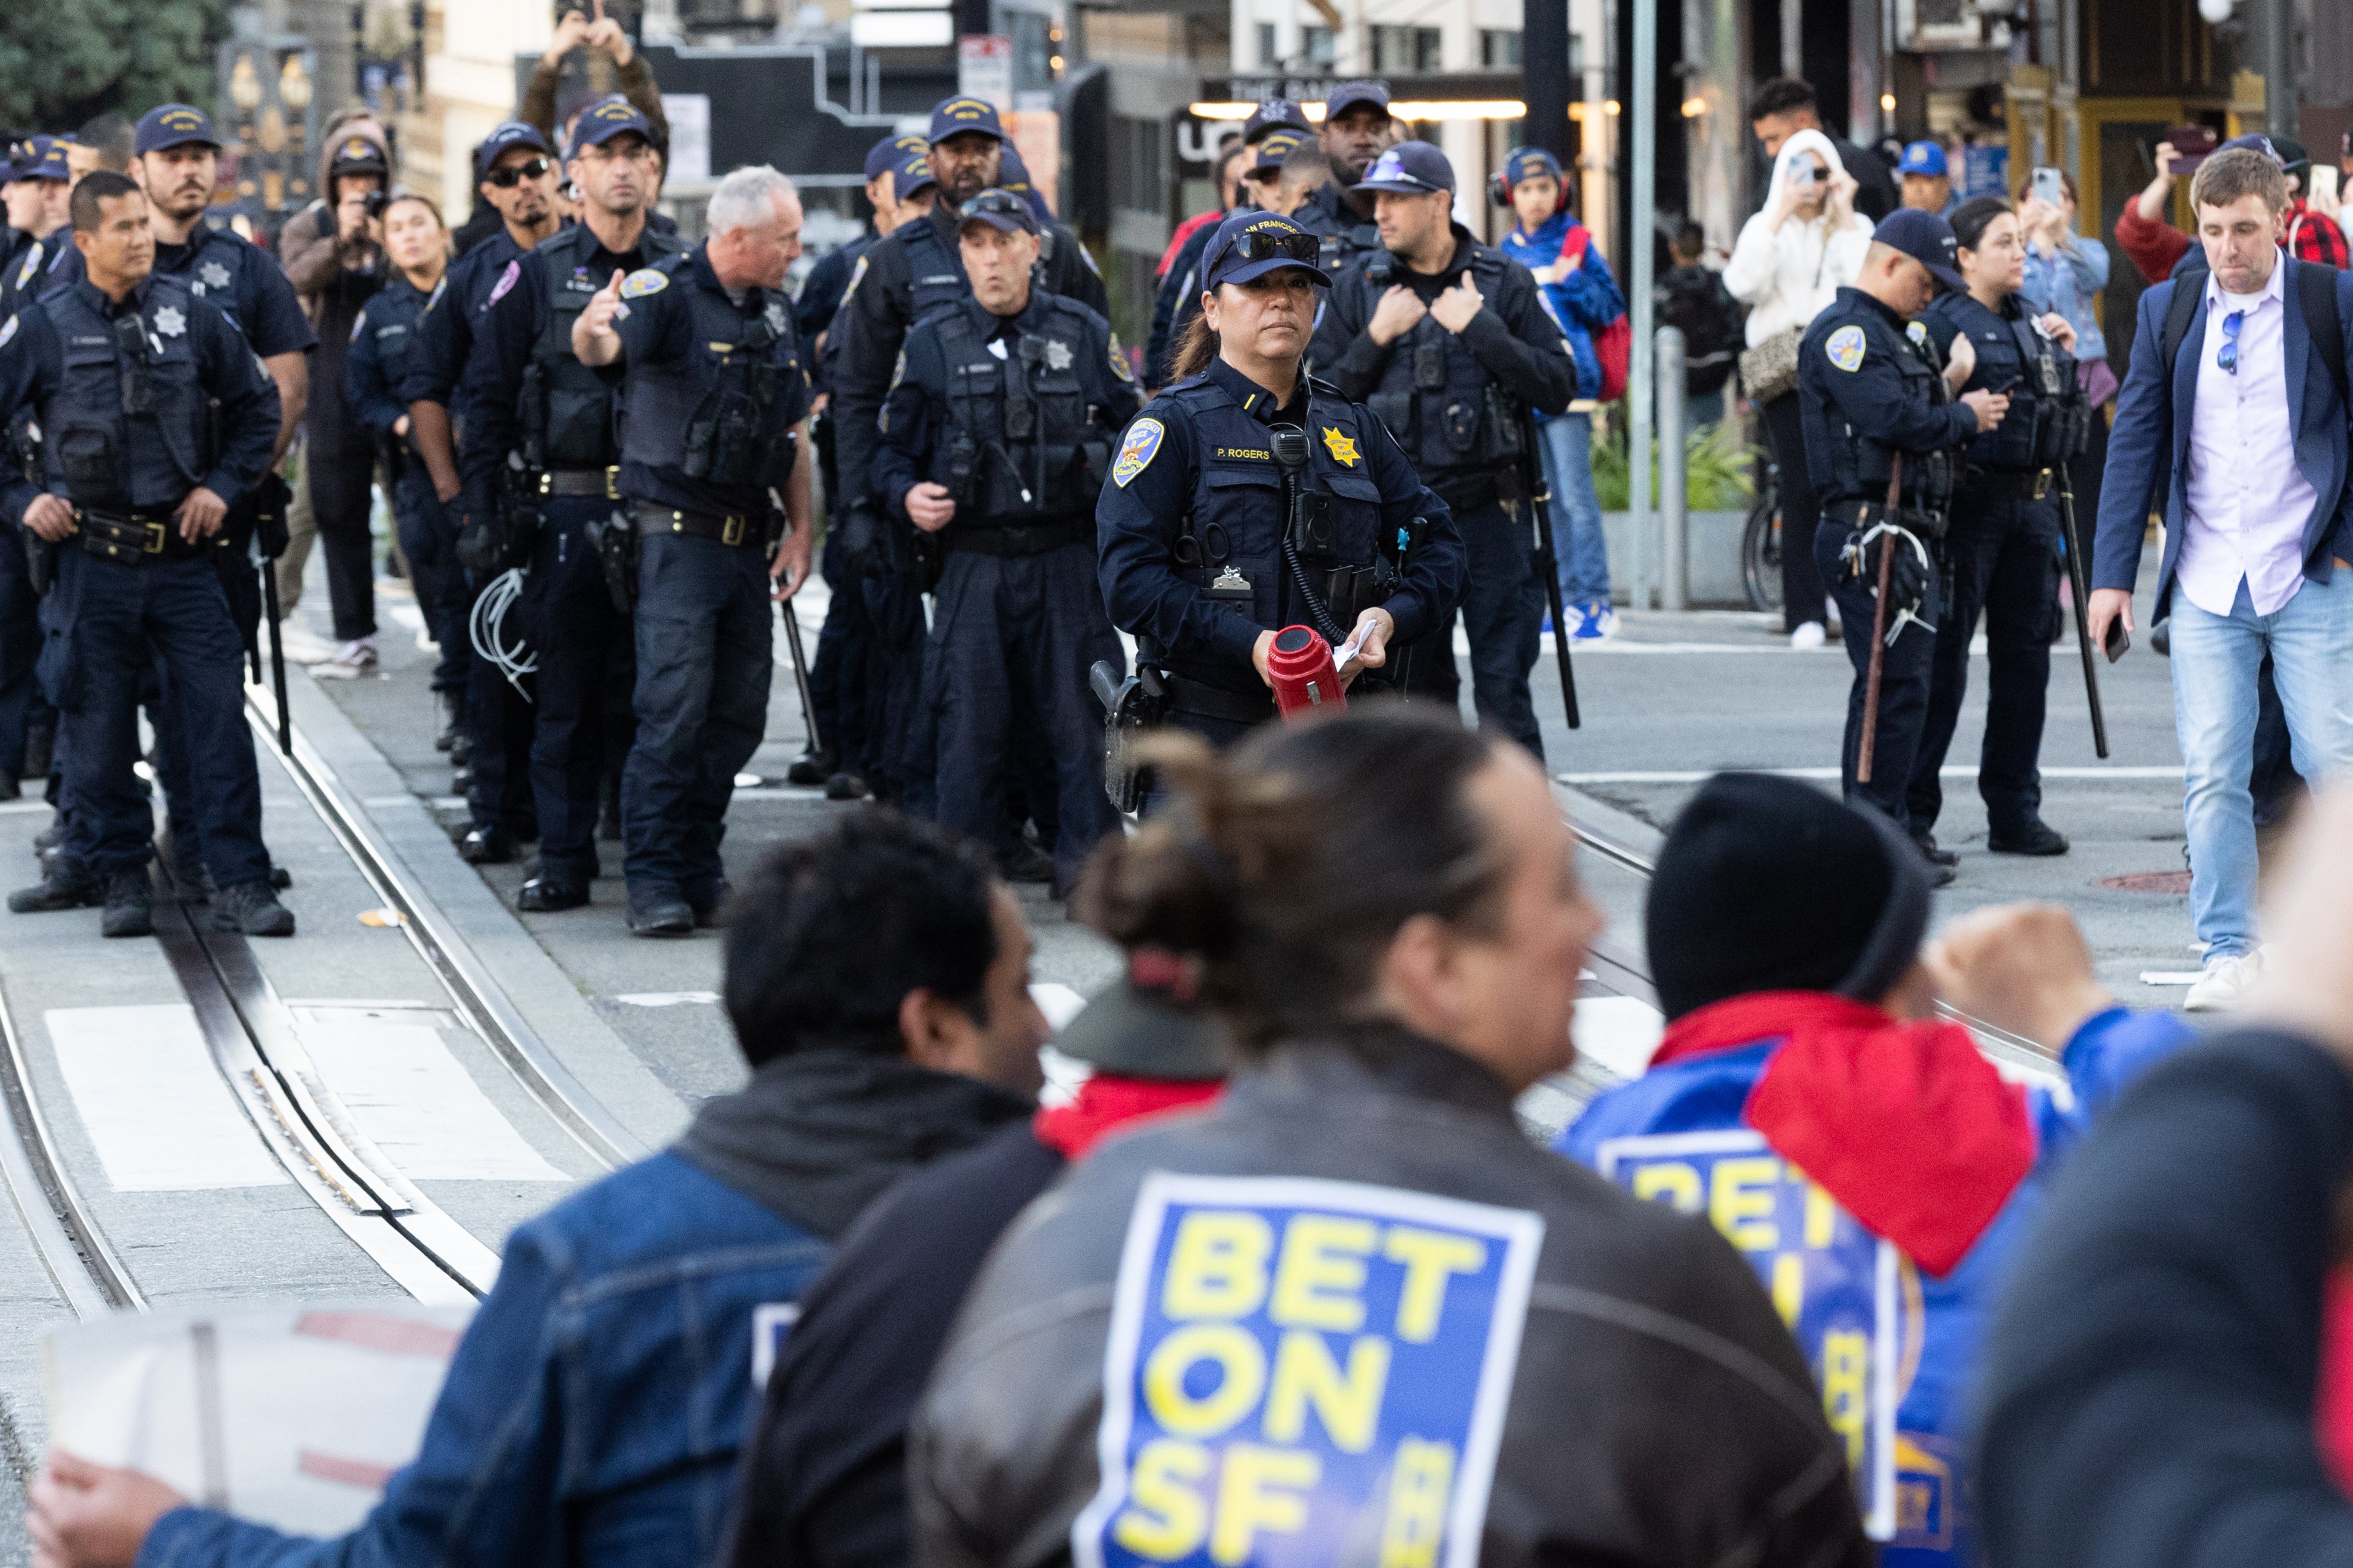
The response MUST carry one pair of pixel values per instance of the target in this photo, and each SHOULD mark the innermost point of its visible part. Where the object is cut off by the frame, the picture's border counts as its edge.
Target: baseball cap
(357, 155)
(1147, 1025)
(1277, 146)
(955, 115)
(1924, 158)
(1274, 114)
(2291, 154)
(910, 174)
(39, 158)
(1409, 169)
(886, 155)
(171, 125)
(1530, 163)
(1926, 239)
(1348, 94)
(2253, 141)
(1002, 210)
(1250, 245)
(503, 135)
(608, 117)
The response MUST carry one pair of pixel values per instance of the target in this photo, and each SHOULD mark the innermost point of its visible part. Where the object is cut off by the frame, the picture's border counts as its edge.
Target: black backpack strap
(2316, 292)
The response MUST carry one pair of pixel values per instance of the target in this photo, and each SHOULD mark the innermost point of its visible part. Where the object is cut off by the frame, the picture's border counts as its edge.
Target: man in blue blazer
(2242, 430)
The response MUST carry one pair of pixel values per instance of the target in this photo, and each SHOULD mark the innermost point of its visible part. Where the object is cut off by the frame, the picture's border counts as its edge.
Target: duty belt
(1031, 539)
(734, 529)
(130, 539)
(581, 482)
(1220, 703)
(2010, 484)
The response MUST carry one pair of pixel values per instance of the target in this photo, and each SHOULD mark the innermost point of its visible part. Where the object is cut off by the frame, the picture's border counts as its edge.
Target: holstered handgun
(1133, 709)
(614, 538)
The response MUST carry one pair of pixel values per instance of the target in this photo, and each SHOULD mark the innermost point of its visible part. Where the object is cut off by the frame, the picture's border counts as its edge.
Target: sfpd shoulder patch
(1845, 348)
(1135, 453)
(506, 285)
(1119, 365)
(1918, 333)
(644, 281)
(857, 276)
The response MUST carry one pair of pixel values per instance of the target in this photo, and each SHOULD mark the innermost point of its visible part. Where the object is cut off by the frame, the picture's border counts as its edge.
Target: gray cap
(1146, 1024)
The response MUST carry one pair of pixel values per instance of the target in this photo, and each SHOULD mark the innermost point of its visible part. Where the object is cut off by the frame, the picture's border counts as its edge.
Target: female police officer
(2002, 553)
(1248, 497)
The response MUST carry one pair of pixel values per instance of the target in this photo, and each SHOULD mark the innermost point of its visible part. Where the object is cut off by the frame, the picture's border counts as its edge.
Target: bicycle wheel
(1760, 550)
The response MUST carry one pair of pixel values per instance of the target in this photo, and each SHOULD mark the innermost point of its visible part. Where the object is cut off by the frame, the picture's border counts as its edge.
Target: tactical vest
(718, 414)
(1236, 516)
(935, 280)
(566, 410)
(128, 427)
(212, 270)
(2046, 421)
(1344, 237)
(1862, 466)
(1015, 448)
(1435, 396)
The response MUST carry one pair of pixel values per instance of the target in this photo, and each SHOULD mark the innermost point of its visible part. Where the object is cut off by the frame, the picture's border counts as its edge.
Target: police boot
(63, 884)
(2037, 837)
(544, 895)
(251, 909)
(130, 905)
(40, 747)
(487, 846)
(50, 838)
(813, 767)
(462, 775)
(452, 712)
(845, 786)
(660, 911)
(1933, 852)
(708, 901)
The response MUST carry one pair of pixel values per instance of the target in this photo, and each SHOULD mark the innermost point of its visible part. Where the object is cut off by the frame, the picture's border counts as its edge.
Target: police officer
(1873, 395)
(1204, 554)
(120, 368)
(996, 436)
(1274, 128)
(531, 398)
(717, 399)
(515, 175)
(384, 343)
(1358, 129)
(39, 184)
(1448, 343)
(2001, 557)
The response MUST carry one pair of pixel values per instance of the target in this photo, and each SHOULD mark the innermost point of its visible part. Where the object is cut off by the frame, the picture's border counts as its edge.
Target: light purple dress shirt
(2248, 501)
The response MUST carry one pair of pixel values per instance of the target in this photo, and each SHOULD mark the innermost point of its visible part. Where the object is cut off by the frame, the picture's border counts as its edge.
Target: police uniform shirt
(886, 295)
(34, 370)
(1326, 214)
(919, 416)
(822, 289)
(659, 330)
(506, 329)
(232, 275)
(384, 340)
(2002, 365)
(446, 330)
(40, 268)
(1160, 468)
(1852, 388)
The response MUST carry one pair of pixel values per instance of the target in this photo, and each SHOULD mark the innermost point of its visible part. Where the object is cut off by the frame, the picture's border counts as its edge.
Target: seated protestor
(2168, 1380)
(877, 982)
(1872, 1165)
(825, 1475)
(1351, 1314)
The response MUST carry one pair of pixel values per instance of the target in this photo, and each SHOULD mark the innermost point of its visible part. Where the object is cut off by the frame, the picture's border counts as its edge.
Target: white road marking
(1618, 1032)
(1059, 1003)
(416, 1101)
(665, 998)
(154, 1106)
(1682, 776)
(2171, 976)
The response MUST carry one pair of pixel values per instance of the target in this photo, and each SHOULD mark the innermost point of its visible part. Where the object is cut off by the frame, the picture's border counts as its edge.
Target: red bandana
(1107, 1103)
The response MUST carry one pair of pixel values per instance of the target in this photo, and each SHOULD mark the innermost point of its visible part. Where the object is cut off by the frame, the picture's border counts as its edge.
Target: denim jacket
(2065, 283)
(594, 1411)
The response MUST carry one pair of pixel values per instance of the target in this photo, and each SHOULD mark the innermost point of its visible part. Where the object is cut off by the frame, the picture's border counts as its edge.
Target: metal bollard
(1675, 497)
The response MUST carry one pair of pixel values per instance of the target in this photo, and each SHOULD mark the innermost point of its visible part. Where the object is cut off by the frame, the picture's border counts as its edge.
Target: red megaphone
(1300, 665)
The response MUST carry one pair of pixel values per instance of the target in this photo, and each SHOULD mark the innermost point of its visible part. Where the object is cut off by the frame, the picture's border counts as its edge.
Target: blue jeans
(1576, 513)
(2310, 640)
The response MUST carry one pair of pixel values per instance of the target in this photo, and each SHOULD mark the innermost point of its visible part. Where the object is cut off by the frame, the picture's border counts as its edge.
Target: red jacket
(2155, 247)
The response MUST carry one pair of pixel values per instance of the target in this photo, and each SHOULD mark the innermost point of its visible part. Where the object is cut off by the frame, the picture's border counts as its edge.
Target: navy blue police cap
(955, 116)
(1002, 210)
(888, 153)
(910, 174)
(173, 125)
(1926, 239)
(1279, 144)
(1348, 94)
(39, 158)
(1409, 169)
(1274, 114)
(1252, 244)
(608, 117)
(506, 135)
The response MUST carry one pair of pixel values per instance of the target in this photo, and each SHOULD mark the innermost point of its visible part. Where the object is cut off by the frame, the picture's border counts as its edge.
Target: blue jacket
(1908, 1123)
(1584, 302)
(592, 1414)
(2148, 449)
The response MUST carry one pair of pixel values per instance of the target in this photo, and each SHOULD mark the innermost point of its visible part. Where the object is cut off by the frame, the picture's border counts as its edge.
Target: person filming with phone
(2240, 434)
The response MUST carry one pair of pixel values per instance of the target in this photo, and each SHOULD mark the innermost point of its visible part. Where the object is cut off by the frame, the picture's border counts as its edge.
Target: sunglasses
(2226, 357)
(999, 203)
(513, 174)
(1278, 245)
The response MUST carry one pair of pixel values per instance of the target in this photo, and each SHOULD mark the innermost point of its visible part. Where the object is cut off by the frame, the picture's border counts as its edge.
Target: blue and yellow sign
(1834, 1283)
(1303, 1372)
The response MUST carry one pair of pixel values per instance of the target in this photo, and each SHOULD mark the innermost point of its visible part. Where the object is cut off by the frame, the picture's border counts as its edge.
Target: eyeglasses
(513, 174)
(1004, 203)
(1279, 244)
(2227, 356)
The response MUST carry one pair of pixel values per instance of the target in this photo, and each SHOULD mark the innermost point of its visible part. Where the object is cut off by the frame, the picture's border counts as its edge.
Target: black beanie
(1766, 884)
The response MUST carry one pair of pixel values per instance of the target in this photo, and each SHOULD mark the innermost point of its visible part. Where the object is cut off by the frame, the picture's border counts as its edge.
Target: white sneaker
(352, 660)
(2224, 984)
(301, 645)
(1600, 623)
(1808, 634)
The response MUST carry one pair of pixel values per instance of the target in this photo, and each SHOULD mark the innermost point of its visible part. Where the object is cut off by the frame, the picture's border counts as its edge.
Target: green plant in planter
(1719, 470)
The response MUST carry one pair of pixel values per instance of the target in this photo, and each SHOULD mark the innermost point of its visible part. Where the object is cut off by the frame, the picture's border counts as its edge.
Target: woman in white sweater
(1791, 260)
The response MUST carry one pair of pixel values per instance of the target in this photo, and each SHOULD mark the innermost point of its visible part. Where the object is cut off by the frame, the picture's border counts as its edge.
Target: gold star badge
(1342, 449)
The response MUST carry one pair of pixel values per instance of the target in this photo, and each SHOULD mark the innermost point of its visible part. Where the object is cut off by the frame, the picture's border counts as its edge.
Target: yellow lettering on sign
(1217, 1267)
(1164, 1519)
(1349, 1405)
(1258, 1490)
(1421, 1485)
(1672, 1181)
(1431, 1257)
(1822, 1217)
(1740, 1202)
(1242, 1378)
(1846, 1361)
(1789, 1286)
(1319, 1283)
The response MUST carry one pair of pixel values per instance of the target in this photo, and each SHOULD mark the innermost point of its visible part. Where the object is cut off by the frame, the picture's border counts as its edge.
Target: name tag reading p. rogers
(1305, 1372)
